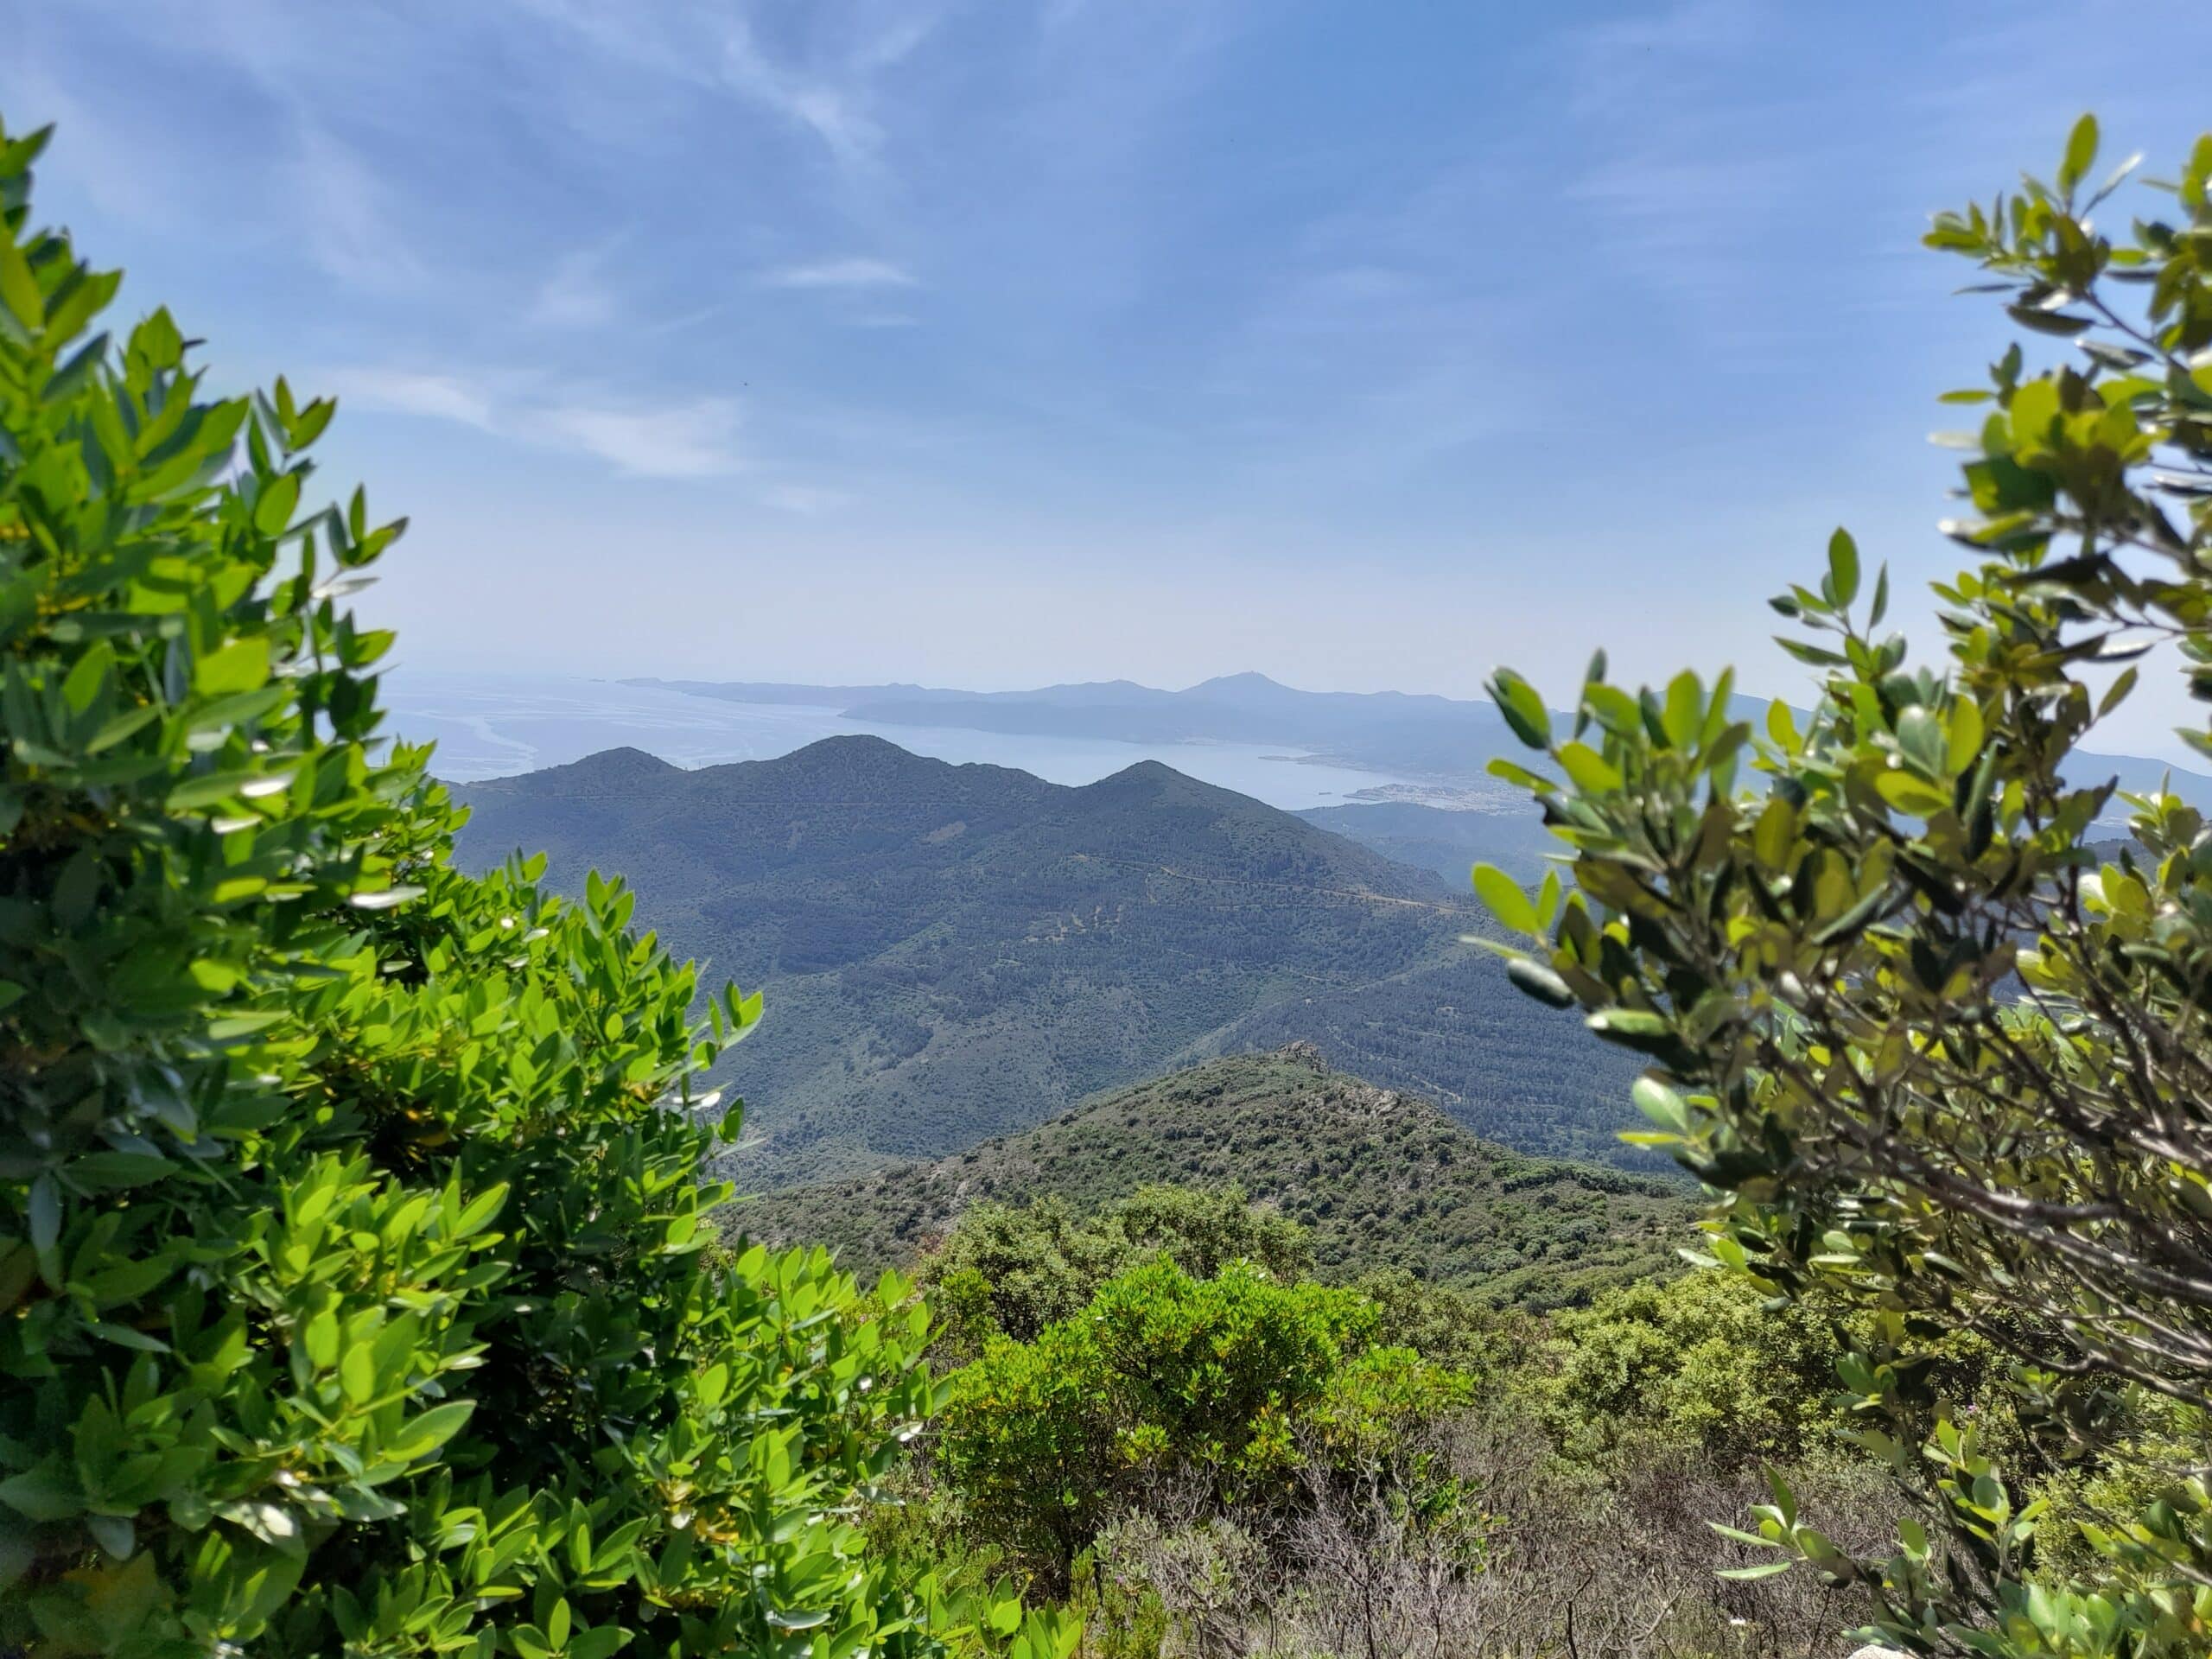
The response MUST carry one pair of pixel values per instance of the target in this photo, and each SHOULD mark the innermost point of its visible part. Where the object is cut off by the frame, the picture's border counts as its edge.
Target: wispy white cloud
(685, 437)
(351, 228)
(841, 273)
(405, 391)
(825, 83)
(576, 294)
(694, 439)
(831, 112)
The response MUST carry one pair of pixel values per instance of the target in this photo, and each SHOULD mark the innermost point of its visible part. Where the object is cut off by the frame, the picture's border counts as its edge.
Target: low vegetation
(1157, 1415)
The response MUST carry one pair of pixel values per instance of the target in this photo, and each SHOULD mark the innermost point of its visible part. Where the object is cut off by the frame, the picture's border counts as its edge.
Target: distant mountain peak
(1156, 779)
(615, 768)
(1250, 680)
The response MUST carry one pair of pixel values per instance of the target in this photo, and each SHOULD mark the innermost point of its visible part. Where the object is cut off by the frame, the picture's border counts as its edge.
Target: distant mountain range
(1389, 731)
(1443, 739)
(1381, 1178)
(951, 952)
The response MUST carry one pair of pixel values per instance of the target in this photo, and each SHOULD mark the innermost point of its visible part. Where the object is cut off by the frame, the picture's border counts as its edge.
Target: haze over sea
(493, 726)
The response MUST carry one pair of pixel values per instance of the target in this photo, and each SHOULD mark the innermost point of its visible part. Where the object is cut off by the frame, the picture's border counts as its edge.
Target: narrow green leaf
(1843, 567)
(2081, 155)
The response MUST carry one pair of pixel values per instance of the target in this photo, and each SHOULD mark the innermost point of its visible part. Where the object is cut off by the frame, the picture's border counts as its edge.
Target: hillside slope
(1448, 841)
(1382, 1178)
(951, 952)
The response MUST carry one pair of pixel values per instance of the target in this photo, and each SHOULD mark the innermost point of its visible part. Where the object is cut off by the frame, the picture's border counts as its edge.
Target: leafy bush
(1011, 1270)
(352, 1244)
(1222, 1383)
(1823, 973)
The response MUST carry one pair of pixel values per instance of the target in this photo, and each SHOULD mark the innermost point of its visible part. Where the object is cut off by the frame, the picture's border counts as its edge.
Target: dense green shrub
(352, 1245)
(1224, 1385)
(1823, 972)
(1011, 1270)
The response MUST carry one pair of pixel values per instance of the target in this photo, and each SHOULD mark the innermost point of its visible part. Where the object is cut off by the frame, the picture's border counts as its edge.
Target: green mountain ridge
(1382, 1178)
(951, 952)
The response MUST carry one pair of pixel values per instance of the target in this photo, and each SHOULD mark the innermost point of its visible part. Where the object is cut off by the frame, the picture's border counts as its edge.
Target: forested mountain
(951, 952)
(1381, 1178)
(1449, 841)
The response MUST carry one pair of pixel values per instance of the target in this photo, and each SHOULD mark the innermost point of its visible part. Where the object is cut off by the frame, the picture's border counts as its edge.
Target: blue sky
(991, 344)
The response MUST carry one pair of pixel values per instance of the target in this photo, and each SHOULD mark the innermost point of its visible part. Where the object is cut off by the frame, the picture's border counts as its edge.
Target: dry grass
(1535, 1563)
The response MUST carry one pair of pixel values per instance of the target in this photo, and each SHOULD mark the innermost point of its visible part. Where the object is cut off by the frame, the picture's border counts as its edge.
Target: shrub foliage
(357, 1286)
(1823, 971)
(1224, 1386)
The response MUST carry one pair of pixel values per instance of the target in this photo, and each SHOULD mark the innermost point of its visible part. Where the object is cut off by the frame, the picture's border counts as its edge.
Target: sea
(498, 725)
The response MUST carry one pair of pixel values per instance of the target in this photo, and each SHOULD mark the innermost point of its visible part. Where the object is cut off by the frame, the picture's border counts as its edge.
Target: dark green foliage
(1379, 1181)
(351, 1233)
(1230, 1383)
(1008, 1271)
(955, 952)
(1950, 1065)
(1701, 1361)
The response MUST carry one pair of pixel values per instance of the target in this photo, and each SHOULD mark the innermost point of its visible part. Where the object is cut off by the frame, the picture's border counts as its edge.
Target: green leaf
(43, 1493)
(599, 1641)
(1535, 980)
(83, 682)
(1843, 568)
(425, 1433)
(357, 1373)
(1921, 735)
(798, 1618)
(1660, 1105)
(482, 1210)
(18, 287)
(45, 1213)
(272, 513)
(1964, 735)
(1684, 712)
(108, 1171)
(2081, 155)
(1763, 1570)
(1775, 835)
(1506, 900)
(1913, 794)
(242, 665)
(1523, 709)
(383, 898)
(1588, 771)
